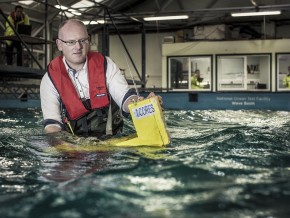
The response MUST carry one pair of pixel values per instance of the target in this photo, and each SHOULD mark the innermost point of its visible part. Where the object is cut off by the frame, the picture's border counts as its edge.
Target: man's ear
(59, 45)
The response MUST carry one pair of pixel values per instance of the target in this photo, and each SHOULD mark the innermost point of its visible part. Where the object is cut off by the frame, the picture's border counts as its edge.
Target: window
(243, 72)
(283, 72)
(190, 73)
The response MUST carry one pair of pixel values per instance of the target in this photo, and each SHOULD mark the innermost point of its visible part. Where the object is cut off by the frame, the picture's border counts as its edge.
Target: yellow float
(150, 125)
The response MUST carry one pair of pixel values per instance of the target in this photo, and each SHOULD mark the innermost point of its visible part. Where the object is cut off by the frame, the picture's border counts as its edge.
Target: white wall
(153, 56)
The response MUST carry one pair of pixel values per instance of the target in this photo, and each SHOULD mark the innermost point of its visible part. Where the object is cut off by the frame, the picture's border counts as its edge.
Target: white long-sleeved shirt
(50, 99)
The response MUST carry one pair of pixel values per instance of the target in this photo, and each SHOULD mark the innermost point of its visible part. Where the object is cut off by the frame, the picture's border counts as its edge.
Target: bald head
(70, 23)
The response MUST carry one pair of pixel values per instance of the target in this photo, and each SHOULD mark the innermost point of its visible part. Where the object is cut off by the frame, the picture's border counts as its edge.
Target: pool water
(219, 164)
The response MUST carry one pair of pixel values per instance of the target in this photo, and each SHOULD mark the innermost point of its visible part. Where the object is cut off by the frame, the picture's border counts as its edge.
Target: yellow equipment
(149, 123)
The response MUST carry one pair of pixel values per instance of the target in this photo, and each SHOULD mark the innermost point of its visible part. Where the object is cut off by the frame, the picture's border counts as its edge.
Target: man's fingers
(152, 94)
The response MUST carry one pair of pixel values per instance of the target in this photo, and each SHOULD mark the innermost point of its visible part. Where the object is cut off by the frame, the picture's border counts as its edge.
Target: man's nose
(79, 44)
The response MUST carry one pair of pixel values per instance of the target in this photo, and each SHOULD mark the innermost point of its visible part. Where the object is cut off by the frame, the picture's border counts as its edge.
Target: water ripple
(219, 164)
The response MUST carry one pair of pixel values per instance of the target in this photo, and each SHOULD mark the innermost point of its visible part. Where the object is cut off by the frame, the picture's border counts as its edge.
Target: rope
(134, 83)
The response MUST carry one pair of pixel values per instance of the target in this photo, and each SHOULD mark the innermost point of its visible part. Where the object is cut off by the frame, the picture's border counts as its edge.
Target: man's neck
(75, 67)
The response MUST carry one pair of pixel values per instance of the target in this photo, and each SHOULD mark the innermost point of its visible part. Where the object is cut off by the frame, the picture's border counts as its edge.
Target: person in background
(286, 79)
(83, 92)
(196, 80)
(16, 17)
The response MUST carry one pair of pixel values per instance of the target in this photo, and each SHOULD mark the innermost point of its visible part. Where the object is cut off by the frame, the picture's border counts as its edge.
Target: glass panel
(283, 72)
(178, 72)
(200, 76)
(231, 73)
(258, 72)
(248, 72)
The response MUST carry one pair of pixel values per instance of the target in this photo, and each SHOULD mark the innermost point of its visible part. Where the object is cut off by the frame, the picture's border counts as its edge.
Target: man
(16, 17)
(83, 91)
(196, 80)
(286, 79)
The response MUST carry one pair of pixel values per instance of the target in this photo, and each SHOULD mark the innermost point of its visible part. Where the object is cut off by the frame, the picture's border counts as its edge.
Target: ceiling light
(61, 7)
(75, 12)
(135, 19)
(83, 4)
(255, 13)
(100, 21)
(26, 2)
(68, 14)
(90, 22)
(166, 18)
(94, 22)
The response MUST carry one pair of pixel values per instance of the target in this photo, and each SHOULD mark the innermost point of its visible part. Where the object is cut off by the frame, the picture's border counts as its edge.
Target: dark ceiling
(126, 16)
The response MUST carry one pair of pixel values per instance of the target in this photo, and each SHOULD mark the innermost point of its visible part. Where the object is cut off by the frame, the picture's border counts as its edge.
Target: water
(219, 164)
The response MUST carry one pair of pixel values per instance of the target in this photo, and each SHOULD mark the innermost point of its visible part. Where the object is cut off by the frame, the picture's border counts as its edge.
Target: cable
(134, 83)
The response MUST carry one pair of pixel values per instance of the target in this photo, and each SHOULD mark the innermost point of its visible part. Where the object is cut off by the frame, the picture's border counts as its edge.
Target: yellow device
(149, 122)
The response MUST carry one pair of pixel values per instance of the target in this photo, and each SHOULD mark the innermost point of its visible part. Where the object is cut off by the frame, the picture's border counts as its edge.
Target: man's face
(75, 54)
(19, 12)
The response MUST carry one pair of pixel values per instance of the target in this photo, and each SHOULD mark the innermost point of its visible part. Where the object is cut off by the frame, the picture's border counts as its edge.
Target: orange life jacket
(68, 94)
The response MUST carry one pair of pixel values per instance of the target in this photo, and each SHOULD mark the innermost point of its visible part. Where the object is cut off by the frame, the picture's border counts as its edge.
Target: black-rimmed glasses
(74, 42)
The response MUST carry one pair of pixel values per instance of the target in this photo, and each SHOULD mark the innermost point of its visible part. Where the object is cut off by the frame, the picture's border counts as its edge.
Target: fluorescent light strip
(94, 22)
(61, 7)
(26, 2)
(256, 13)
(166, 18)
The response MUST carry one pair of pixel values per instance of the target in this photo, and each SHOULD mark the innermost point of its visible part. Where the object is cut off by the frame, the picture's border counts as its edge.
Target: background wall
(153, 56)
(226, 47)
(156, 60)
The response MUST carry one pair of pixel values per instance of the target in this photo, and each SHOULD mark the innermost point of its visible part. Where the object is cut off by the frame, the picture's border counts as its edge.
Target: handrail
(19, 37)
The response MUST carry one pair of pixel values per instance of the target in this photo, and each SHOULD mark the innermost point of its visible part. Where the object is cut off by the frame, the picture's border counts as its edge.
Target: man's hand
(152, 94)
(139, 98)
(52, 129)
